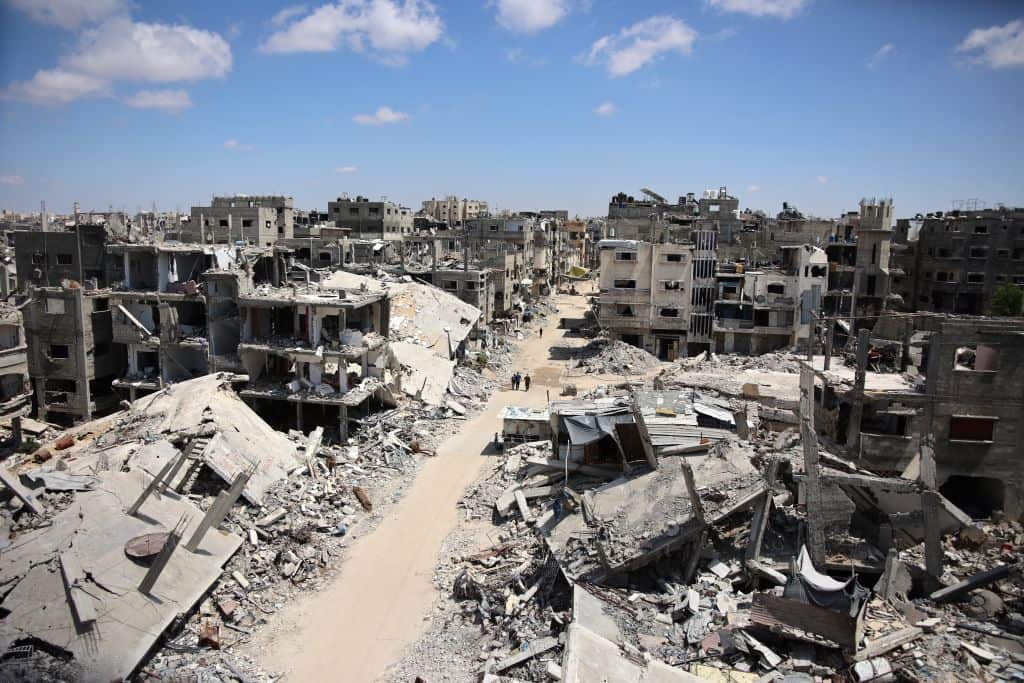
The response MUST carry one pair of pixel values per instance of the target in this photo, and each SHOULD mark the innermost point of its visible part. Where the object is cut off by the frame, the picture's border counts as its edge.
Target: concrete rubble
(746, 554)
(152, 541)
(604, 357)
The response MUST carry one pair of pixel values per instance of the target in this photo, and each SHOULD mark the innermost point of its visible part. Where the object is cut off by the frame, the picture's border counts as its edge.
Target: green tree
(1007, 300)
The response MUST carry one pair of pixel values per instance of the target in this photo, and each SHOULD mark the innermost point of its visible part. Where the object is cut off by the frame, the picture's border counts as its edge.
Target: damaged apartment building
(72, 359)
(313, 355)
(953, 262)
(859, 263)
(658, 297)
(174, 307)
(250, 219)
(762, 310)
(958, 399)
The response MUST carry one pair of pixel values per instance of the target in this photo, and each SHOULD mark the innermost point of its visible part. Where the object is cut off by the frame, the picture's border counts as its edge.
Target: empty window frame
(625, 256)
(975, 278)
(624, 284)
(624, 310)
(776, 288)
(65, 259)
(673, 258)
(59, 351)
(978, 252)
(669, 313)
(972, 428)
(671, 285)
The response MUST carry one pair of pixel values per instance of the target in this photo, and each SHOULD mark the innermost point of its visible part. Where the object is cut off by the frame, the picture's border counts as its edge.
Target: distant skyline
(526, 104)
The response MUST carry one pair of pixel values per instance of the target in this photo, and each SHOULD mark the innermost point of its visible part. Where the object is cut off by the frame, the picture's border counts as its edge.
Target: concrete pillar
(857, 409)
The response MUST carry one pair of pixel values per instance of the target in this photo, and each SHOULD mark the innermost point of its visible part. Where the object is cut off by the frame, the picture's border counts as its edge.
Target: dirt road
(377, 604)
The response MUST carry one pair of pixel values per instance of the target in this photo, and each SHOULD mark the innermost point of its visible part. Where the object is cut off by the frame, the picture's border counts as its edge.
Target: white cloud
(380, 117)
(11, 180)
(880, 55)
(530, 16)
(235, 146)
(605, 109)
(640, 44)
(388, 28)
(170, 101)
(997, 47)
(753, 188)
(781, 9)
(70, 13)
(346, 169)
(126, 50)
(57, 86)
(823, 179)
(290, 12)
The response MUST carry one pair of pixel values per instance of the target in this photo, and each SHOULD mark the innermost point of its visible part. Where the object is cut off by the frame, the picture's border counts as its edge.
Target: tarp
(814, 588)
(578, 272)
(584, 429)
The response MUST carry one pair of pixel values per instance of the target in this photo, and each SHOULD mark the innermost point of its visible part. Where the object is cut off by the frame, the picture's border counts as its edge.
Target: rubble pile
(596, 571)
(604, 357)
(300, 500)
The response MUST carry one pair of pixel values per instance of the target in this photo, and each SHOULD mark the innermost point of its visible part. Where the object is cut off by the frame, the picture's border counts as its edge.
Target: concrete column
(857, 409)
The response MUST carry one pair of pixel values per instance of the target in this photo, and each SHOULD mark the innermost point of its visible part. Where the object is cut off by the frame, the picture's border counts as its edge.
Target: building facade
(253, 220)
(452, 210)
(954, 262)
(367, 219)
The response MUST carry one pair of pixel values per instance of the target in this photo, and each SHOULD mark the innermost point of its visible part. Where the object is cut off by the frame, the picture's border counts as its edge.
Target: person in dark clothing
(542, 333)
(527, 382)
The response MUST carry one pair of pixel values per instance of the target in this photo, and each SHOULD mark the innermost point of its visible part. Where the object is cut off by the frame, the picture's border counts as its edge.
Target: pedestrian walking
(527, 381)
(515, 381)
(542, 333)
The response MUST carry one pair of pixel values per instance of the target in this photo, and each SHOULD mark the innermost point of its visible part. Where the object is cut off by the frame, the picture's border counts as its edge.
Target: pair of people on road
(519, 380)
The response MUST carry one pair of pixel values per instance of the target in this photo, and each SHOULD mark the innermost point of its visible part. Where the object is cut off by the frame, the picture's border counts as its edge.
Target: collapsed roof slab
(422, 372)
(435, 318)
(632, 521)
(206, 406)
(95, 529)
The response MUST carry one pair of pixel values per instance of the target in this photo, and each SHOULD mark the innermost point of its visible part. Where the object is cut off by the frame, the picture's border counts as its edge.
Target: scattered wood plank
(979, 580)
(888, 643)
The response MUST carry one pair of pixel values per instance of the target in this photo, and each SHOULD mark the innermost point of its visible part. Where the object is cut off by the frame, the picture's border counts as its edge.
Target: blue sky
(525, 103)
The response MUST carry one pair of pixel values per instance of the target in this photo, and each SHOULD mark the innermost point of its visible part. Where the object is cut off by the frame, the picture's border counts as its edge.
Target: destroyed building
(313, 354)
(173, 308)
(72, 358)
(453, 210)
(859, 264)
(365, 219)
(15, 386)
(953, 262)
(48, 259)
(762, 310)
(252, 219)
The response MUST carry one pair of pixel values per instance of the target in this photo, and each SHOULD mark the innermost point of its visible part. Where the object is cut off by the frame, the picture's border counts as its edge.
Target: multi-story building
(645, 297)
(71, 355)
(954, 262)
(48, 259)
(253, 220)
(15, 388)
(323, 352)
(762, 310)
(452, 210)
(171, 307)
(366, 219)
(859, 271)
